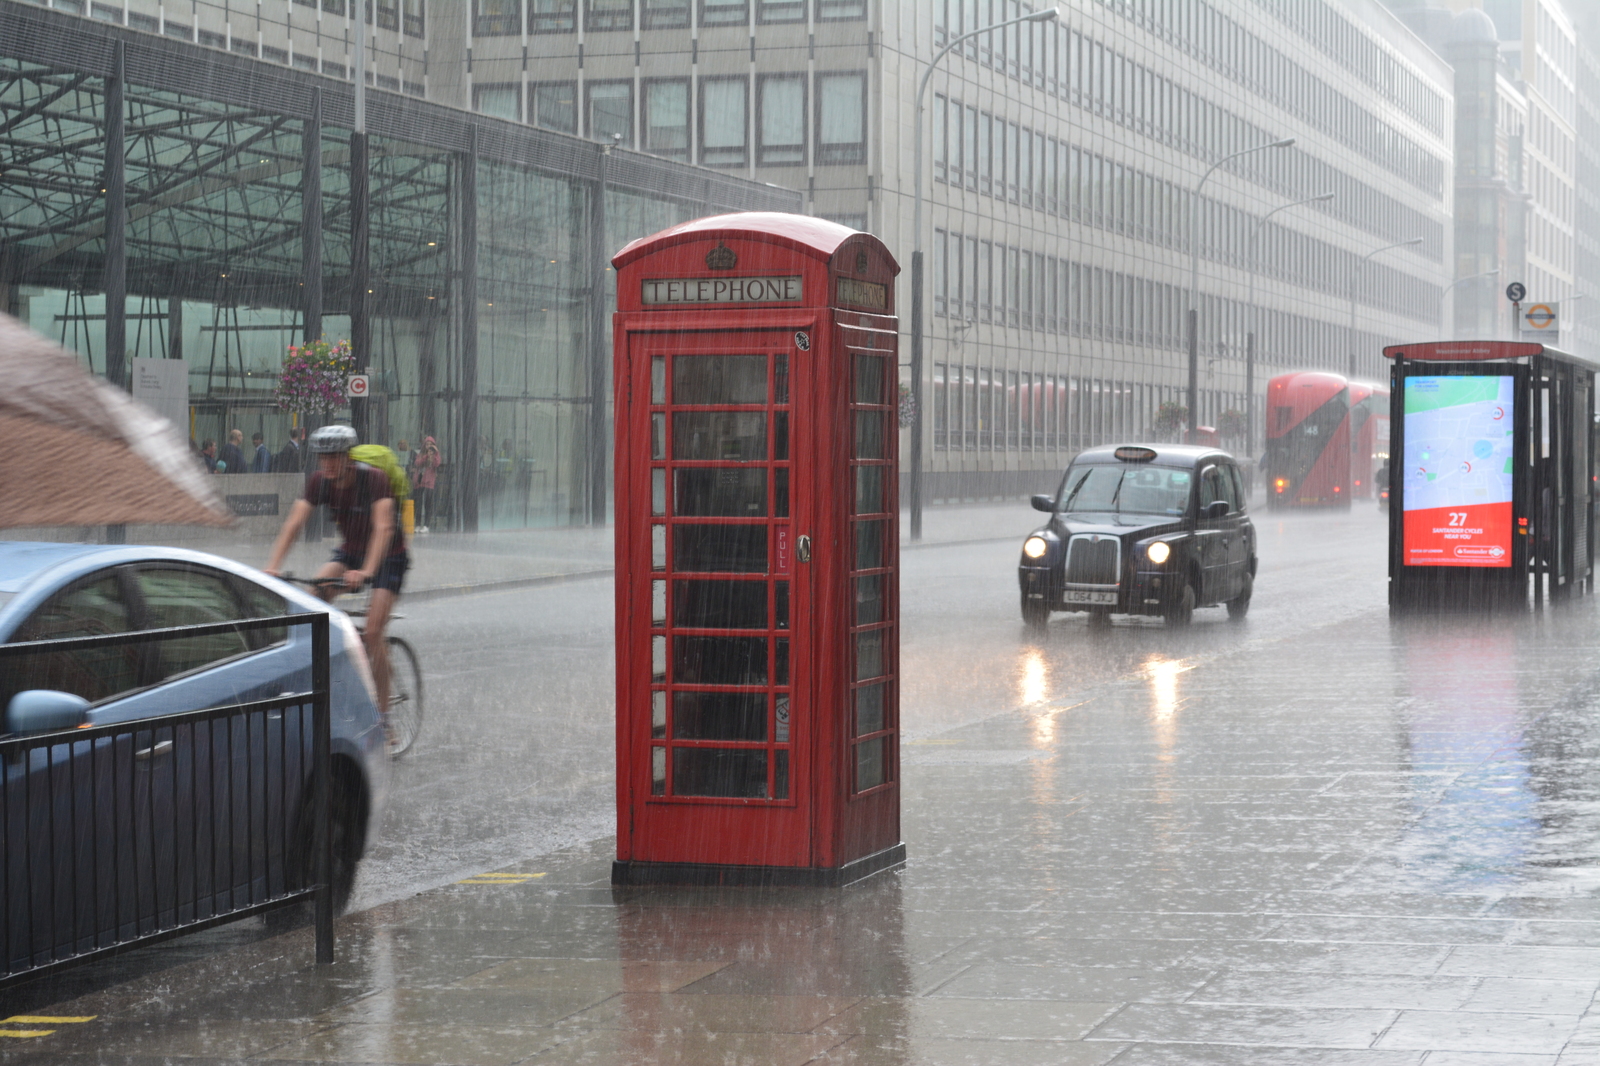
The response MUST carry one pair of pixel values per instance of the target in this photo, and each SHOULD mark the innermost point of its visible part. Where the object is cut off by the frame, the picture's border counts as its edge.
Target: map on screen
(1457, 470)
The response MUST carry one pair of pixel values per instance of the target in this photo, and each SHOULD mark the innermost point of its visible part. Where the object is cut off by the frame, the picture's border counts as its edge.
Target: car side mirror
(1217, 509)
(43, 710)
(1047, 504)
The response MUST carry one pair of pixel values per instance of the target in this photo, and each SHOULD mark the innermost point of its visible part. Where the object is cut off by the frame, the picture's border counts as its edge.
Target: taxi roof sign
(1130, 454)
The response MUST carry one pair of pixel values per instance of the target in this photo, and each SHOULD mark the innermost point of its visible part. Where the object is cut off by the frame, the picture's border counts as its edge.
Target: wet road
(1312, 837)
(516, 760)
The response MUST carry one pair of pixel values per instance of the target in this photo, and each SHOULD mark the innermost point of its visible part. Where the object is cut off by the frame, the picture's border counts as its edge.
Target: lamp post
(1194, 272)
(1046, 15)
(1250, 335)
(1356, 273)
(1443, 329)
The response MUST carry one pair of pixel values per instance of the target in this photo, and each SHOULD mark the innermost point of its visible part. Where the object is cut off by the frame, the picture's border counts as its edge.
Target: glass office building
(230, 225)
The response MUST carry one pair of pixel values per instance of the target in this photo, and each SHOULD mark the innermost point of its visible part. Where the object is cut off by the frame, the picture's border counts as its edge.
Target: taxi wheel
(1181, 613)
(1239, 606)
(1035, 613)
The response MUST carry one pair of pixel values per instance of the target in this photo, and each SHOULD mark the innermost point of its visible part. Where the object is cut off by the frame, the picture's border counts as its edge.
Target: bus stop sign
(1516, 292)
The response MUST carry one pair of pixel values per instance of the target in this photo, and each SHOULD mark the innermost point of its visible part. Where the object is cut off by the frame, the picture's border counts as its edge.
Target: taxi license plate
(1090, 597)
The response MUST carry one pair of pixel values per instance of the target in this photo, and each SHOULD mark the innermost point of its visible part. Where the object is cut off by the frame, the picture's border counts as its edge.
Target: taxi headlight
(1035, 547)
(1159, 552)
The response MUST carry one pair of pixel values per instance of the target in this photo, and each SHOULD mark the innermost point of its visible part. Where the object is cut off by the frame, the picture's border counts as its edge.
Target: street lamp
(1354, 274)
(1443, 329)
(1194, 272)
(1049, 14)
(1250, 335)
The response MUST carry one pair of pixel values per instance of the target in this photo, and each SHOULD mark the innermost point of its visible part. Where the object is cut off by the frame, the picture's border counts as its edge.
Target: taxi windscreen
(1120, 489)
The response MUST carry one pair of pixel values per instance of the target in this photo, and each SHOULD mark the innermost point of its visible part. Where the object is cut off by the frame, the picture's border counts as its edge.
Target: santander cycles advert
(1458, 470)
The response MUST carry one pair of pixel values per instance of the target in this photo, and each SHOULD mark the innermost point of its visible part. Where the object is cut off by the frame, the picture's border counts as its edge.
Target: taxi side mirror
(1044, 503)
(1216, 509)
(43, 710)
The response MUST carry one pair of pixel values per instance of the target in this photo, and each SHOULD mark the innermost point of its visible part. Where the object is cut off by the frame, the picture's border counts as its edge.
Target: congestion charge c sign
(1460, 440)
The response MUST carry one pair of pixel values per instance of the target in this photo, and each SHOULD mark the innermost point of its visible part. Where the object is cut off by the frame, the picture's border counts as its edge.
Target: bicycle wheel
(403, 721)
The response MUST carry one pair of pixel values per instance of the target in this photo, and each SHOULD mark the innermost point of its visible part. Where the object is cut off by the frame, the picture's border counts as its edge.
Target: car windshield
(1123, 489)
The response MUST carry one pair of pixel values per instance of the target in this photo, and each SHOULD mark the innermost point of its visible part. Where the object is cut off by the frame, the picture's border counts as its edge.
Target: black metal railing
(116, 836)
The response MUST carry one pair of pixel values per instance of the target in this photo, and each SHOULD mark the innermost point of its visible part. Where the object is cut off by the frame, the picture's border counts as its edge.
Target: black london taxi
(1144, 529)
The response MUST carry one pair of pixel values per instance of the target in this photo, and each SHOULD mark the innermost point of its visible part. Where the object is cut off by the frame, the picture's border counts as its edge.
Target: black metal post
(466, 479)
(1250, 394)
(175, 327)
(360, 275)
(598, 352)
(916, 395)
(322, 800)
(114, 277)
(311, 219)
(1194, 368)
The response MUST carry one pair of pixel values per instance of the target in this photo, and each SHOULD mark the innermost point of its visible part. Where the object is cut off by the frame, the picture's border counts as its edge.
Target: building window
(500, 101)
(781, 111)
(724, 122)
(496, 18)
(724, 12)
(608, 15)
(611, 112)
(148, 23)
(666, 117)
(665, 14)
(388, 15)
(838, 10)
(415, 17)
(841, 118)
(553, 105)
(770, 11)
(552, 16)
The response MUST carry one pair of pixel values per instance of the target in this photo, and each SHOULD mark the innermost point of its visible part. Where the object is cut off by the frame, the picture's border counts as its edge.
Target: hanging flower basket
(314, 376)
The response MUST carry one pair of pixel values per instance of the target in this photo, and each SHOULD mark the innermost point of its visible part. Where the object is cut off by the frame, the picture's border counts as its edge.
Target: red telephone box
(757, 554)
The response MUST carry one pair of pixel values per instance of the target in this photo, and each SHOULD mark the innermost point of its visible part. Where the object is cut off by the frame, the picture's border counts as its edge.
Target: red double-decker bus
(1369, 429)
(1307, 458)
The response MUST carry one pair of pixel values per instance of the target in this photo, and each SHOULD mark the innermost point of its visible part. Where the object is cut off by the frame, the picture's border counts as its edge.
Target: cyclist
(374, 548)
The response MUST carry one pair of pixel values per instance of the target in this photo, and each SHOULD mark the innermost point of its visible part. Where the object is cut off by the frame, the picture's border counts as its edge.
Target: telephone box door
(719, 764)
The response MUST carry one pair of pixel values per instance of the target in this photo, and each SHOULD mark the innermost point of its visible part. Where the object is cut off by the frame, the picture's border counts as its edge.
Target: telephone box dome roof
(804, 233)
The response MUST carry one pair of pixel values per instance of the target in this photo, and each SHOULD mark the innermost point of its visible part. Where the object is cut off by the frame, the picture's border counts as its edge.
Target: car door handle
(154, 751)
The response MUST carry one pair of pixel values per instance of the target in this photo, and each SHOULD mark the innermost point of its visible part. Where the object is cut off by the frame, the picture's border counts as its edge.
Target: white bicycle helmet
(331, 440)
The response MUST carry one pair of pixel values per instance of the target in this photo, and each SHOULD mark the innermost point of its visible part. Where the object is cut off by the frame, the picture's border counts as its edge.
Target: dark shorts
(391, 572)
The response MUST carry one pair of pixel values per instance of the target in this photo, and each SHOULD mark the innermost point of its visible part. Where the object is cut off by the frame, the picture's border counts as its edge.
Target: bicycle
(402, 719)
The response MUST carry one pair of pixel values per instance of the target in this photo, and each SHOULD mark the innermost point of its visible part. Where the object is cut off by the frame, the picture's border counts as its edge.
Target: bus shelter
(1492, 475)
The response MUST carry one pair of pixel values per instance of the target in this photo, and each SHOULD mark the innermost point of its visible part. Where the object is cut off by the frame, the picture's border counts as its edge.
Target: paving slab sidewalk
(445, 564)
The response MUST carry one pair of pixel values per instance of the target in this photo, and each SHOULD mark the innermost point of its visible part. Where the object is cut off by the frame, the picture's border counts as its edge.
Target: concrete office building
(1059, 161)
(228, 227)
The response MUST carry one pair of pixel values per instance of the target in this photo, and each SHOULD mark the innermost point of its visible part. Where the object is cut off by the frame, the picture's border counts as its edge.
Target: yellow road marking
(26, 1032)
(498, 879)
(44, 1019)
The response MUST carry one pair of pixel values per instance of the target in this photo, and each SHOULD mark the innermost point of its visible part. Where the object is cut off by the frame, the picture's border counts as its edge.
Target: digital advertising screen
(1460, 438)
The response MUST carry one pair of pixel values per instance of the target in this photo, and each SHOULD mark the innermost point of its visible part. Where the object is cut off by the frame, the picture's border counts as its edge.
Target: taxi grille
(1093, 560)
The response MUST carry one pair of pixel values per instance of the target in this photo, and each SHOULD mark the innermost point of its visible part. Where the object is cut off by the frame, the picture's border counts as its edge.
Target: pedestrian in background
(208, 455)
(287, 461)
(427, 466)
(261, 463)
(231, 458)
(404, 453)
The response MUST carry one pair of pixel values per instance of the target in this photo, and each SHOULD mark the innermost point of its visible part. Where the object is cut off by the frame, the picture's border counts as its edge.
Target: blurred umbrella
(79, 452)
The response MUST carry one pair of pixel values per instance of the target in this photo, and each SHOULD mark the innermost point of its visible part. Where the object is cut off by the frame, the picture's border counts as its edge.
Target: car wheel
(1035, 613)
(1181, 613)
(1239, 606)
(348, 815)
